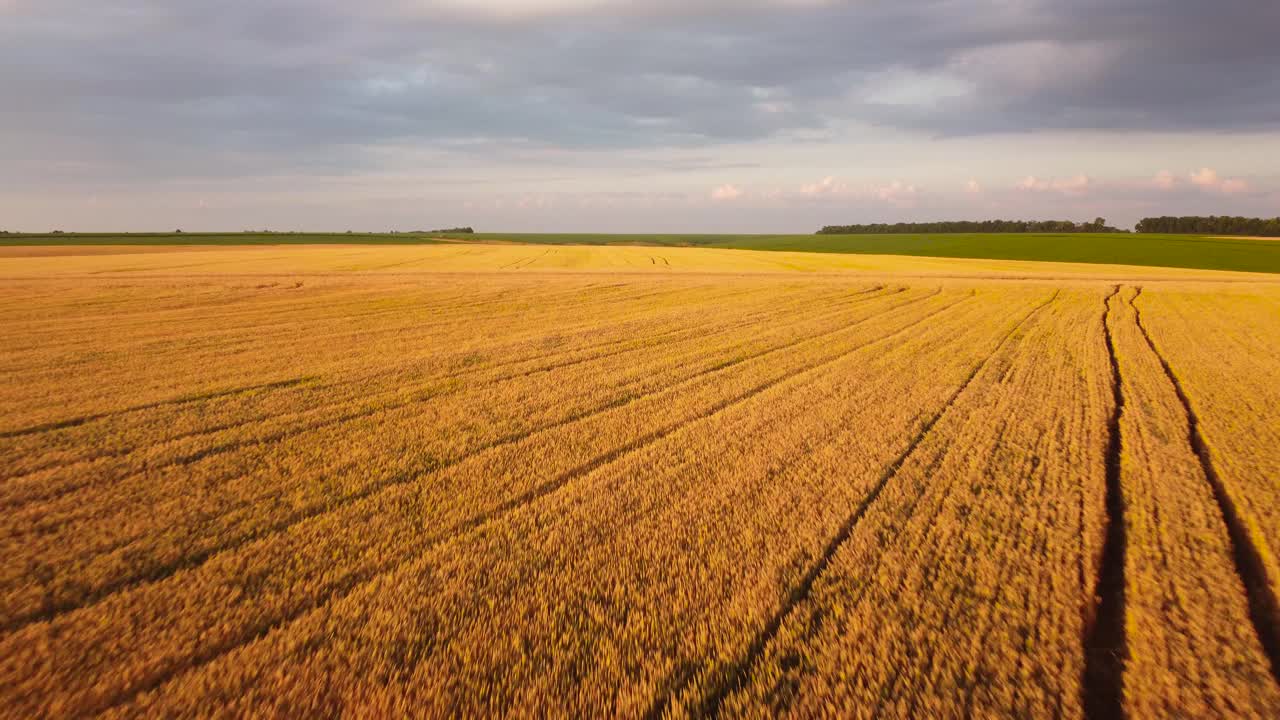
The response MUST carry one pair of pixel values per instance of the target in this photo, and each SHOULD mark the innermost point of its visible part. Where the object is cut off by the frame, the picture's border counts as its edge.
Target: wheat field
(468, 480)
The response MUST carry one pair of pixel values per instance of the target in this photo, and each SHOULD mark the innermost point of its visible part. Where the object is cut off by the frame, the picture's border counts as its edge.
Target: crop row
(963, 589)
(1190, 647)
(567, 602)
(665, 497)
(184, 353)
(193, 427)
(97, 538)
(435, 503)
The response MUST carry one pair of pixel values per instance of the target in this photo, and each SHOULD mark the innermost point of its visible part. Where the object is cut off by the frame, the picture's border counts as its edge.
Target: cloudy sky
(632, 115)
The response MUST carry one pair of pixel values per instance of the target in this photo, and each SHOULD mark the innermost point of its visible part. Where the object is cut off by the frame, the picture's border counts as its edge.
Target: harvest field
(463, 480)
(1243, 254)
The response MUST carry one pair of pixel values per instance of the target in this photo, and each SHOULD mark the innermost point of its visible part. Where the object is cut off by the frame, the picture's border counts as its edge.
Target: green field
(245, 238)
(1181, 251)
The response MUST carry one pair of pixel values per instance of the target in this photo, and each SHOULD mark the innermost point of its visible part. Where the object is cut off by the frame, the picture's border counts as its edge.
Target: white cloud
(829, 188)
(1077, 185)
(1232, 187)
(897, 193)
(1031, 182)
(534, 202)
(1205, 177)
(973, 187)
(1209, 179)
(1164, 180)
(826, 186)
(1074, 185)
(726, 192)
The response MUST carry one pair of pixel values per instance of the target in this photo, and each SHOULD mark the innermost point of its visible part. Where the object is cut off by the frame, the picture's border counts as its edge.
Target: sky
(632, 116)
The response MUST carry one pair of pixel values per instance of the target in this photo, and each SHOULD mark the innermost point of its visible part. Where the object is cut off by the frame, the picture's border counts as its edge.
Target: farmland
(466, 479)
(1151, 250)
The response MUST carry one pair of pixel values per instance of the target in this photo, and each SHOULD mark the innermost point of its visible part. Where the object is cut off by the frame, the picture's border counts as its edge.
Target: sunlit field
(467, 479)
(1237, 254)
(112, 260)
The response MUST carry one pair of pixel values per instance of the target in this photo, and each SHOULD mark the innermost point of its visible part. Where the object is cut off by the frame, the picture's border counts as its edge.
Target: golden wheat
(494, 479)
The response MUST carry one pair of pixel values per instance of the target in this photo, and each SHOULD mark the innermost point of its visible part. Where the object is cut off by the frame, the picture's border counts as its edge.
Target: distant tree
(178, 231)
(1211, 225)
(972, 226)
(453, 231)
(56, 232)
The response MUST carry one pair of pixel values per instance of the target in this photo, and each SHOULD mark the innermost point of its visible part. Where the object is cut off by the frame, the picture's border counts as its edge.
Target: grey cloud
(309, 83)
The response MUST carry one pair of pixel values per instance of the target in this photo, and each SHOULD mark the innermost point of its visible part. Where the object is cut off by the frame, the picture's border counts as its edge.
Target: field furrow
(705, 697)
(1247, 551)
(422, 331)
(453, 498)
(1218, 350)
(1190, 648)
(964, 588)
(634, 532)
(1104, 631)
(327, 346)
(228, 426)
(113, 545)
(504, 480)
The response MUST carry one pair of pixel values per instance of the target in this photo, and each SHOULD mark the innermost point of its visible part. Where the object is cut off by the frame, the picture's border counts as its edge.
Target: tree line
(1099, 225)
(1211, 225)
